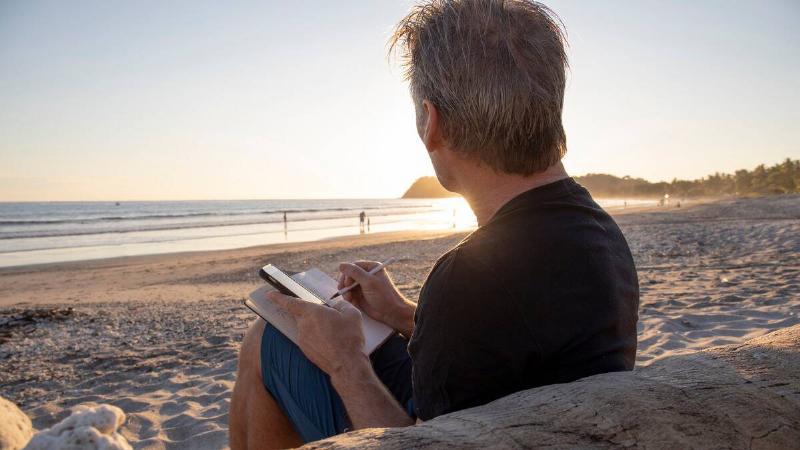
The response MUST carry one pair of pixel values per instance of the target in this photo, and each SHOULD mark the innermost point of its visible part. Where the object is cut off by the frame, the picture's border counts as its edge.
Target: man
(544, 291)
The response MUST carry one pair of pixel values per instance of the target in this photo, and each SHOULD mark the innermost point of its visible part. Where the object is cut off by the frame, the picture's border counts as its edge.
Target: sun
(456, 211)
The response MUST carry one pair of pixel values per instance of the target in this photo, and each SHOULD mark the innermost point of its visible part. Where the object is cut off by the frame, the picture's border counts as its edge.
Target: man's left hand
(330, 337)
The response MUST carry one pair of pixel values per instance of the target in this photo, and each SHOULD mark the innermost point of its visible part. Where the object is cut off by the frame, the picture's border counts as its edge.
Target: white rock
(15, 426)
(86, 428)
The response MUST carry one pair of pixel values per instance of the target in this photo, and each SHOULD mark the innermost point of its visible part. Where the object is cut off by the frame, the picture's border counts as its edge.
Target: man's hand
(377, 296)
(331, 338)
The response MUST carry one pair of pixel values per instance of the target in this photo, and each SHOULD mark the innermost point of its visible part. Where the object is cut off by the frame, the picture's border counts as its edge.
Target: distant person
(544, 291)
(368, 224)
(285, 225)
(361, 218)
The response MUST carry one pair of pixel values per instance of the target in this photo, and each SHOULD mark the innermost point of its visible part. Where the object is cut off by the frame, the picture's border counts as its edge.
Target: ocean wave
(87, 220)
(183, 226)
(161, 239)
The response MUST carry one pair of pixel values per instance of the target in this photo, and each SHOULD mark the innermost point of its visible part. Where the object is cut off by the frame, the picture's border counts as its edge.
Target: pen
(374, 270)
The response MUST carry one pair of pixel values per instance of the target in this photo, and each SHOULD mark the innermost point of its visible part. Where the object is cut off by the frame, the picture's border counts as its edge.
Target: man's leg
(256, 421)
(300, 389)
(282, 399)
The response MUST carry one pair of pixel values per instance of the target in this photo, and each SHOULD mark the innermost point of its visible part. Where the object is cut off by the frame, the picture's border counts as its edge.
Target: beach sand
(158, 335)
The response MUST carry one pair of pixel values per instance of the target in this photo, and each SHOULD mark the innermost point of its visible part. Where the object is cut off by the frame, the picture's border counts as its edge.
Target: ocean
(49, 232)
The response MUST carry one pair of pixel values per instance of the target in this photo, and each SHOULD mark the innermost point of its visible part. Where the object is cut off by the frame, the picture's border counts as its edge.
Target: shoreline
(39, 246)
(366, 238)
(204, 275)
(44, 233)
(294, 245)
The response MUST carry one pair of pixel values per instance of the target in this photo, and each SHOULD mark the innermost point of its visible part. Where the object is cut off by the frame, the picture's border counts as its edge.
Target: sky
(150, 100)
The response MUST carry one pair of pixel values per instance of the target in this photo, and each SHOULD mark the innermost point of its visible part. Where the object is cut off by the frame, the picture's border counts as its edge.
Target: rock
(86, 428)
(15, 427)
(427, 187)
(735, 396)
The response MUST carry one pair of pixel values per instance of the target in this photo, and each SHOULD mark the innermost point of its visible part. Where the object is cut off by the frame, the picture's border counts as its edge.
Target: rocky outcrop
(427, 187)
(15, 426)
(736, 396)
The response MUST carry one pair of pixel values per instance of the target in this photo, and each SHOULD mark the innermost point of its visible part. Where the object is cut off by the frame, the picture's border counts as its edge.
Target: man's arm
(332, 339)
(402, 317)
(377, 296)
(367, 401)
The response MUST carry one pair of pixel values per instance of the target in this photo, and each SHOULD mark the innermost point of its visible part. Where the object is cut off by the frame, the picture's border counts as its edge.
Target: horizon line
(359, 198)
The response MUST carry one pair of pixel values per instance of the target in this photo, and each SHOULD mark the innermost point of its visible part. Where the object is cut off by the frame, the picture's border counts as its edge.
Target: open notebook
(313, 286)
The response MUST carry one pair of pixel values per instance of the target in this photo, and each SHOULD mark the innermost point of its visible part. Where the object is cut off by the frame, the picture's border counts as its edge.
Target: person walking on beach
(544, 291)
(362, 217)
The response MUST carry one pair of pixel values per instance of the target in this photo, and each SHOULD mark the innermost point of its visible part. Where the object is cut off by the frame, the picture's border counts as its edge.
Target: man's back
(545, 292)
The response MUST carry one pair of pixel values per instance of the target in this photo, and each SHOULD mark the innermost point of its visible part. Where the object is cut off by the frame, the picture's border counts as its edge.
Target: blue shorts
(305, 394)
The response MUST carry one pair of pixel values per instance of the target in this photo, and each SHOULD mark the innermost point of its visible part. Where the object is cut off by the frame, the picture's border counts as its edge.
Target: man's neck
(487, 191)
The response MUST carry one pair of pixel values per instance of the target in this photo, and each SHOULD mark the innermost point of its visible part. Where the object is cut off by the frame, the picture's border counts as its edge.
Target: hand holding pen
(366, 285)
(345, 287)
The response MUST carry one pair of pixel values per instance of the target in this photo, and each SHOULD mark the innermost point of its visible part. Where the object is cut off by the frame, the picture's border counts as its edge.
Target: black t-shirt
(545, 292)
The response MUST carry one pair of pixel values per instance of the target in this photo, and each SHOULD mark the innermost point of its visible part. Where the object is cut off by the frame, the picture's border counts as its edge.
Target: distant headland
(428, 187)
(782, 178)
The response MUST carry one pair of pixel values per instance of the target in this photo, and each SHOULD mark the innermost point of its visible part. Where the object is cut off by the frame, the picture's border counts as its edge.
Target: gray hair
(495, 70)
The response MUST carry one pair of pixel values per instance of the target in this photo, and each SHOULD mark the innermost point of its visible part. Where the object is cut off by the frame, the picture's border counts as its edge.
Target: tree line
(782, 178)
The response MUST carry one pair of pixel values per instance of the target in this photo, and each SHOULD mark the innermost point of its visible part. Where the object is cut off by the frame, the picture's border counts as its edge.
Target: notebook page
(324, 287)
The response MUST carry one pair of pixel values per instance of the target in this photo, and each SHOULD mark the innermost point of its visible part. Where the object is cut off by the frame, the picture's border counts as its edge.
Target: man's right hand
(377, 296)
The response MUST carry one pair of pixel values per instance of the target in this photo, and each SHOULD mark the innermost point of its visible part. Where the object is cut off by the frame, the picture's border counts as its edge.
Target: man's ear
(430, 133)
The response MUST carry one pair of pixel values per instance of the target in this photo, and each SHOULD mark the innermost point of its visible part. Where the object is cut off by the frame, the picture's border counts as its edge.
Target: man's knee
(255, 420)
(250, 351)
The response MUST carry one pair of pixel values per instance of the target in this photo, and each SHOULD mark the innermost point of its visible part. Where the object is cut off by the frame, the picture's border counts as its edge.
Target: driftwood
(735, 396)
